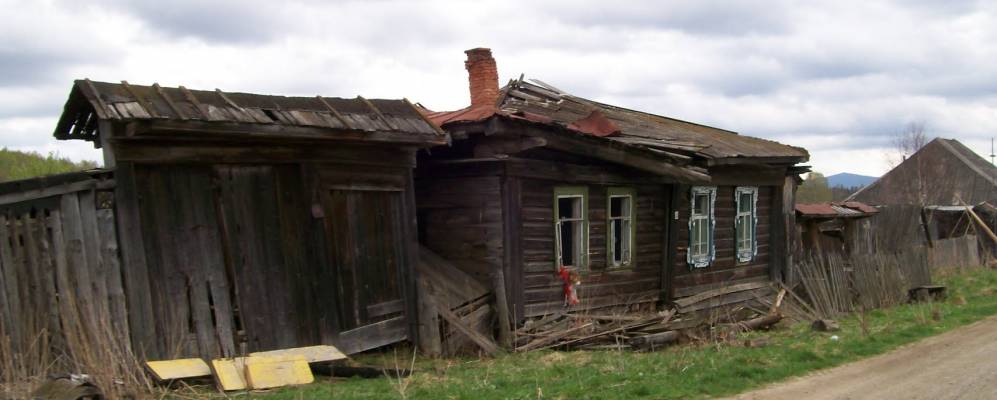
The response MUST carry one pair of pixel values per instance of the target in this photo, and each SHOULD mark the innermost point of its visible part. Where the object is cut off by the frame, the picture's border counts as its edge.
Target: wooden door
(364, 233)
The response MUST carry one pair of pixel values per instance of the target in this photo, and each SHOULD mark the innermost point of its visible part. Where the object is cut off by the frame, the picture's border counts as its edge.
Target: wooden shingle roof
(92, 101)
(542, 103)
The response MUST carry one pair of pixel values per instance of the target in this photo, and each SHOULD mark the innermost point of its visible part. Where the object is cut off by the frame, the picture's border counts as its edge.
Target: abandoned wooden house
(224, 222)
(942, 173)
(578, 204)
(926, 198)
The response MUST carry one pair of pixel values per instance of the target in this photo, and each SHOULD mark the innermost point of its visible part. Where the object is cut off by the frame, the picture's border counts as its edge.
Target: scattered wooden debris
(759, 342)
(584, 331)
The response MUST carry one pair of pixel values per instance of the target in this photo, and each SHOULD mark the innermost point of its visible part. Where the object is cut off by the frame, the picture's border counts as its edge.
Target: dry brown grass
(88, 344)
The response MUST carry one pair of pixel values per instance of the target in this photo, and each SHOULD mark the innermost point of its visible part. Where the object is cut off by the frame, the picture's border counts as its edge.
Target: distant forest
(815, 189)
(16, 165)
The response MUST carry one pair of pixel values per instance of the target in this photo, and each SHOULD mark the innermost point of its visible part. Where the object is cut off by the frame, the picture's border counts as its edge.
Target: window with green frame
(701, 251)
(571, 234)
(745, 223)
(621, 226)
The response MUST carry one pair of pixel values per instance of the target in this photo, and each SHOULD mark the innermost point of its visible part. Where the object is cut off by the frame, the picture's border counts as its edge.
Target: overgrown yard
(686, 371)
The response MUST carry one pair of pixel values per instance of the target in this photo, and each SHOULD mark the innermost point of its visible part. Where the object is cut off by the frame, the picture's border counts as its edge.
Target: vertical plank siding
(59, 272)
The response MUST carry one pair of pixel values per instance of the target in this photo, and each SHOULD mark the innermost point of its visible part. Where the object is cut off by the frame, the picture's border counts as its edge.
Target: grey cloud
(710, 17)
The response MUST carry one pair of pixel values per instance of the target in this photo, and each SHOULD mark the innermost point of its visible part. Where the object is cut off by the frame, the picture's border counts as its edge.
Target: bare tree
(906, 142)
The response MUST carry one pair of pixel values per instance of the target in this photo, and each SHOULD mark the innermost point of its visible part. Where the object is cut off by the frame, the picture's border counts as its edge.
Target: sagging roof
(848, 209)
(539, 102)
(91, 101)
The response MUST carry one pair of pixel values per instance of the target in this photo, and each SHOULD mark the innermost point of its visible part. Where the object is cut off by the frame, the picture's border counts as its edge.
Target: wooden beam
(335, 112)
(141, 100)
(378, 113)
(169, 101)
(240, 130)
(486, 344)
(197, 103)
(103, 108)
(35, 194)
(601, 148)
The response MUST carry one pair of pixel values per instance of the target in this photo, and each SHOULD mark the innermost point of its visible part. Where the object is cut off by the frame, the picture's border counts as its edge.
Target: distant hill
(16, 165)
(848, 180)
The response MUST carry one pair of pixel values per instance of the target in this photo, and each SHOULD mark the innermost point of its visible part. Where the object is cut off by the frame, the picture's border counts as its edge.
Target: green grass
(16, 165)
(678, 372)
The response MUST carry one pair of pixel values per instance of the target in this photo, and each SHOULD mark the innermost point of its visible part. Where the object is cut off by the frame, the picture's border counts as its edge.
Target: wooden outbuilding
(225, 222)
(638, 209)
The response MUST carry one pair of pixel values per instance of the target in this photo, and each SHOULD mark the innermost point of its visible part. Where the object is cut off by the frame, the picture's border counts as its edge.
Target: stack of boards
(262, 370)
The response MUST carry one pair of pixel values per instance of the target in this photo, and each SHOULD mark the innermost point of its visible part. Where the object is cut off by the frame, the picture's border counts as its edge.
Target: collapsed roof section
(540, 103)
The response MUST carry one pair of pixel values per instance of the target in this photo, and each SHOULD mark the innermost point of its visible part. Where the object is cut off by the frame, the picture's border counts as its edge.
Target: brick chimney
(482, 75)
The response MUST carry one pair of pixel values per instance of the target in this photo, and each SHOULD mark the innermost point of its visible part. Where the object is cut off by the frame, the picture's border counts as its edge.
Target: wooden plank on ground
(277, 371)
(312, 354)
(372, 336)
(230, 373)
(178, 369)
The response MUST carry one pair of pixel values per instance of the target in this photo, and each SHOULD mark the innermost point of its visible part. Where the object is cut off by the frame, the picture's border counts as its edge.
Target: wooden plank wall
(60, 270)
(543, 291)
(725, 269)
(249, 257)
(461, 220)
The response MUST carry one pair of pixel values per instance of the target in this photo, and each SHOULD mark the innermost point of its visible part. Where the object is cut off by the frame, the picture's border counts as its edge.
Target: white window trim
(746, 254)
(702, 260)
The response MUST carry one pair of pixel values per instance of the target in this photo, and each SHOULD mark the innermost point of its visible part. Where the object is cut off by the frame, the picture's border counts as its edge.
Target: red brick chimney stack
(482, 76)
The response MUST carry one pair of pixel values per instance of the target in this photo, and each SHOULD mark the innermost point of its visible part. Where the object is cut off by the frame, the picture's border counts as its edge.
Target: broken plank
(486, 344)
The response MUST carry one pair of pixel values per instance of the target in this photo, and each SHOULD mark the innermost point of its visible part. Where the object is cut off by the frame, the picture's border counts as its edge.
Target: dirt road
(960, 364)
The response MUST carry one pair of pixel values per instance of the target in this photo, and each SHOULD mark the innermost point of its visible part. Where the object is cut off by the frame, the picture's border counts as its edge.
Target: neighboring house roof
(848, 209)
(539, 102)
(943, 172)
(90, 101)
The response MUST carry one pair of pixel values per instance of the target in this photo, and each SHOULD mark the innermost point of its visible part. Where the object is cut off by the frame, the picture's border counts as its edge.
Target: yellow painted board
(312, 354)
(264, 372)
(230, 373)
(178, 369)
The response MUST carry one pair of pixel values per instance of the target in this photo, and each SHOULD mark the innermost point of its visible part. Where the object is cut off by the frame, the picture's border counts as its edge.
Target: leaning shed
(243, 222)
(943, 173)
(640, 209)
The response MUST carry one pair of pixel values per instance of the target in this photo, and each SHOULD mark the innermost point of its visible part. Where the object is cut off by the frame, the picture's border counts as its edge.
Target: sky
(839, 78)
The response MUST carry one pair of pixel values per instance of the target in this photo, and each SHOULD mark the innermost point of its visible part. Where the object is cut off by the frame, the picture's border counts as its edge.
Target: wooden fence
(59, 263)
(834, 283)
(958, 252)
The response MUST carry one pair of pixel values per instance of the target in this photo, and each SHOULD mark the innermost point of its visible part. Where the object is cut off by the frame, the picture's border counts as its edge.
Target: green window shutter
(577, 198)
(627, 219)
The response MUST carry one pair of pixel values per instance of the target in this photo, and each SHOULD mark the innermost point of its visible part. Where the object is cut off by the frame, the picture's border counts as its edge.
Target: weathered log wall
(725, 269)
